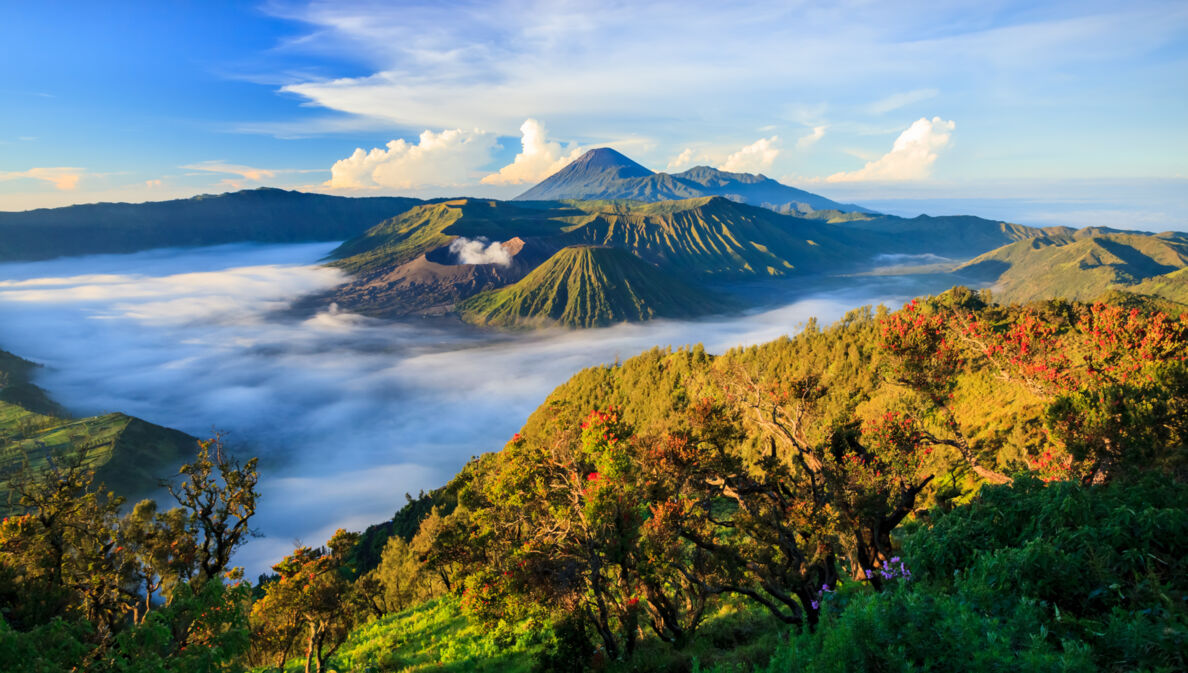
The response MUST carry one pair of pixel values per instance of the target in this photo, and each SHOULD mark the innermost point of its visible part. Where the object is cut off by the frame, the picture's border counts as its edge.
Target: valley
(353, 409)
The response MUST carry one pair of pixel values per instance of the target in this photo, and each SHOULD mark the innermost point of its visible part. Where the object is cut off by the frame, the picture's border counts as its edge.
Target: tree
(313, 596)
(220, 495)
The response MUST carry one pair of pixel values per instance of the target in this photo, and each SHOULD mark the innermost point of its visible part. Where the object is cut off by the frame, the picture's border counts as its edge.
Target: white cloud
(756, 157)
(681, 160)
(806, 141)
(479, 250)
(539, 159)
(64, 178)
(449, 158)
(152, 183)
(910, 158)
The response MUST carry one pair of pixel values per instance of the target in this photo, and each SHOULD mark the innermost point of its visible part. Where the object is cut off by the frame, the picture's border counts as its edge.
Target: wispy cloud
(898, 100)
(64, 178)
(808, 140)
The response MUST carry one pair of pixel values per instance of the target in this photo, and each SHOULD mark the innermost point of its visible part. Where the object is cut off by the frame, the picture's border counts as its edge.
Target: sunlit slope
(405, 237)
(716, 237)
(129, 454)
(258, 215)
(707, 236)
(587, 286)
(1084, 265)
(1173, 286)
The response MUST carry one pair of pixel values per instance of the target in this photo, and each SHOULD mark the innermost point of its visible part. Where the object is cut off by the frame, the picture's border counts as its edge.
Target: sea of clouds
(347, 413)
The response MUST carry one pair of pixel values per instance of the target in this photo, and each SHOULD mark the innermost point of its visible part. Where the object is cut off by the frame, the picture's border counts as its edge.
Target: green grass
(438, 636)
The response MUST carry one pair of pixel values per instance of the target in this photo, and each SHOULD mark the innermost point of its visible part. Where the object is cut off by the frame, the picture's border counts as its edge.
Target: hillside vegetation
(956, 485)
(1085, 264)
(589, 286)
(129, 454)
(889, 492)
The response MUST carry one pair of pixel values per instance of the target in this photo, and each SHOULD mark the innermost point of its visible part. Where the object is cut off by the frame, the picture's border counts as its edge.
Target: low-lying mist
(347, 413)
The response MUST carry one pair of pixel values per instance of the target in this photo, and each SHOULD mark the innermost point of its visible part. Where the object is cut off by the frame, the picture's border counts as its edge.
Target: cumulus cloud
(479, 251)
(64, 178)
(681, 160)
(807, 141)
(754, 158)
(910, 158)
(448, 158)
(539, 159)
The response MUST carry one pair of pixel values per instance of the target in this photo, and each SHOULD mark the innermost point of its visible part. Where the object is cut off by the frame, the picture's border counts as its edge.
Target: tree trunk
(309, 647)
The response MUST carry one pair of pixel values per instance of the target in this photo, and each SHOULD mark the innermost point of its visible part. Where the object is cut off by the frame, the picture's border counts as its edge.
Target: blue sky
(1020, 101)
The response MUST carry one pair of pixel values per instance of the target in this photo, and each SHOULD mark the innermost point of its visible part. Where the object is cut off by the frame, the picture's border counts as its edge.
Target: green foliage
(311, 606)
(909, 629)
(405, 523)
(72, 569)
(1105, 565)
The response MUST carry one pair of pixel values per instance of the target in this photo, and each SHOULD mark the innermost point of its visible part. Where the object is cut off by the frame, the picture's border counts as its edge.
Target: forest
(954, 485)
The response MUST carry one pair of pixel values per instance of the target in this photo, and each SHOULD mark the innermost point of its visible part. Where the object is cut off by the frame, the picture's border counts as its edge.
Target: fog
(347, 413)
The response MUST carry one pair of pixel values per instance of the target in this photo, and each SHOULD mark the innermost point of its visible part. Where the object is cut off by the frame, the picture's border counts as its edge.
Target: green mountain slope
(258, 215)
(714, 236)
(1173, 286)
(427, 227)
(1083, 265)
(130, 455)
(587, 286)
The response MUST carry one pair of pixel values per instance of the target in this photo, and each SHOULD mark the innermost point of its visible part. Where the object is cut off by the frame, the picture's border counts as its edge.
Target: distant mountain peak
(606, 159)
(603, 173)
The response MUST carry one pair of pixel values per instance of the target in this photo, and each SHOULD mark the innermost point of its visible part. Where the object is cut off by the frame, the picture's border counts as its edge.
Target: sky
(1021, 108)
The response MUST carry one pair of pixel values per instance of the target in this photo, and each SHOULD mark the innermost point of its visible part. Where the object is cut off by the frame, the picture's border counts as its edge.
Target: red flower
(593, 476)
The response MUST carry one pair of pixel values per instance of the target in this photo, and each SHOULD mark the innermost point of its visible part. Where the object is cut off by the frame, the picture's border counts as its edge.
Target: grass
(438, 636)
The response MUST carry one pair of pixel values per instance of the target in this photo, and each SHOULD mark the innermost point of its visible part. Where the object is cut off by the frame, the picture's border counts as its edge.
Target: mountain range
(262, 215)
(603, 173)
(695, 231)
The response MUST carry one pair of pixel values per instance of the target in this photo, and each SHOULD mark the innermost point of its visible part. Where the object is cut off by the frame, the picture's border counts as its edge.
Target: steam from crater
(479, 251)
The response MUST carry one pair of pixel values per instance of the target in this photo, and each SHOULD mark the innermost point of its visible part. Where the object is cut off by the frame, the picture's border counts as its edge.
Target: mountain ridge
(589, 286)
(603, 173)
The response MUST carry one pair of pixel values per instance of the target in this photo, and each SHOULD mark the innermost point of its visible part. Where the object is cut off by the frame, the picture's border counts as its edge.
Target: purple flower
(869, 574)
(895, 559)
(816, 605)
